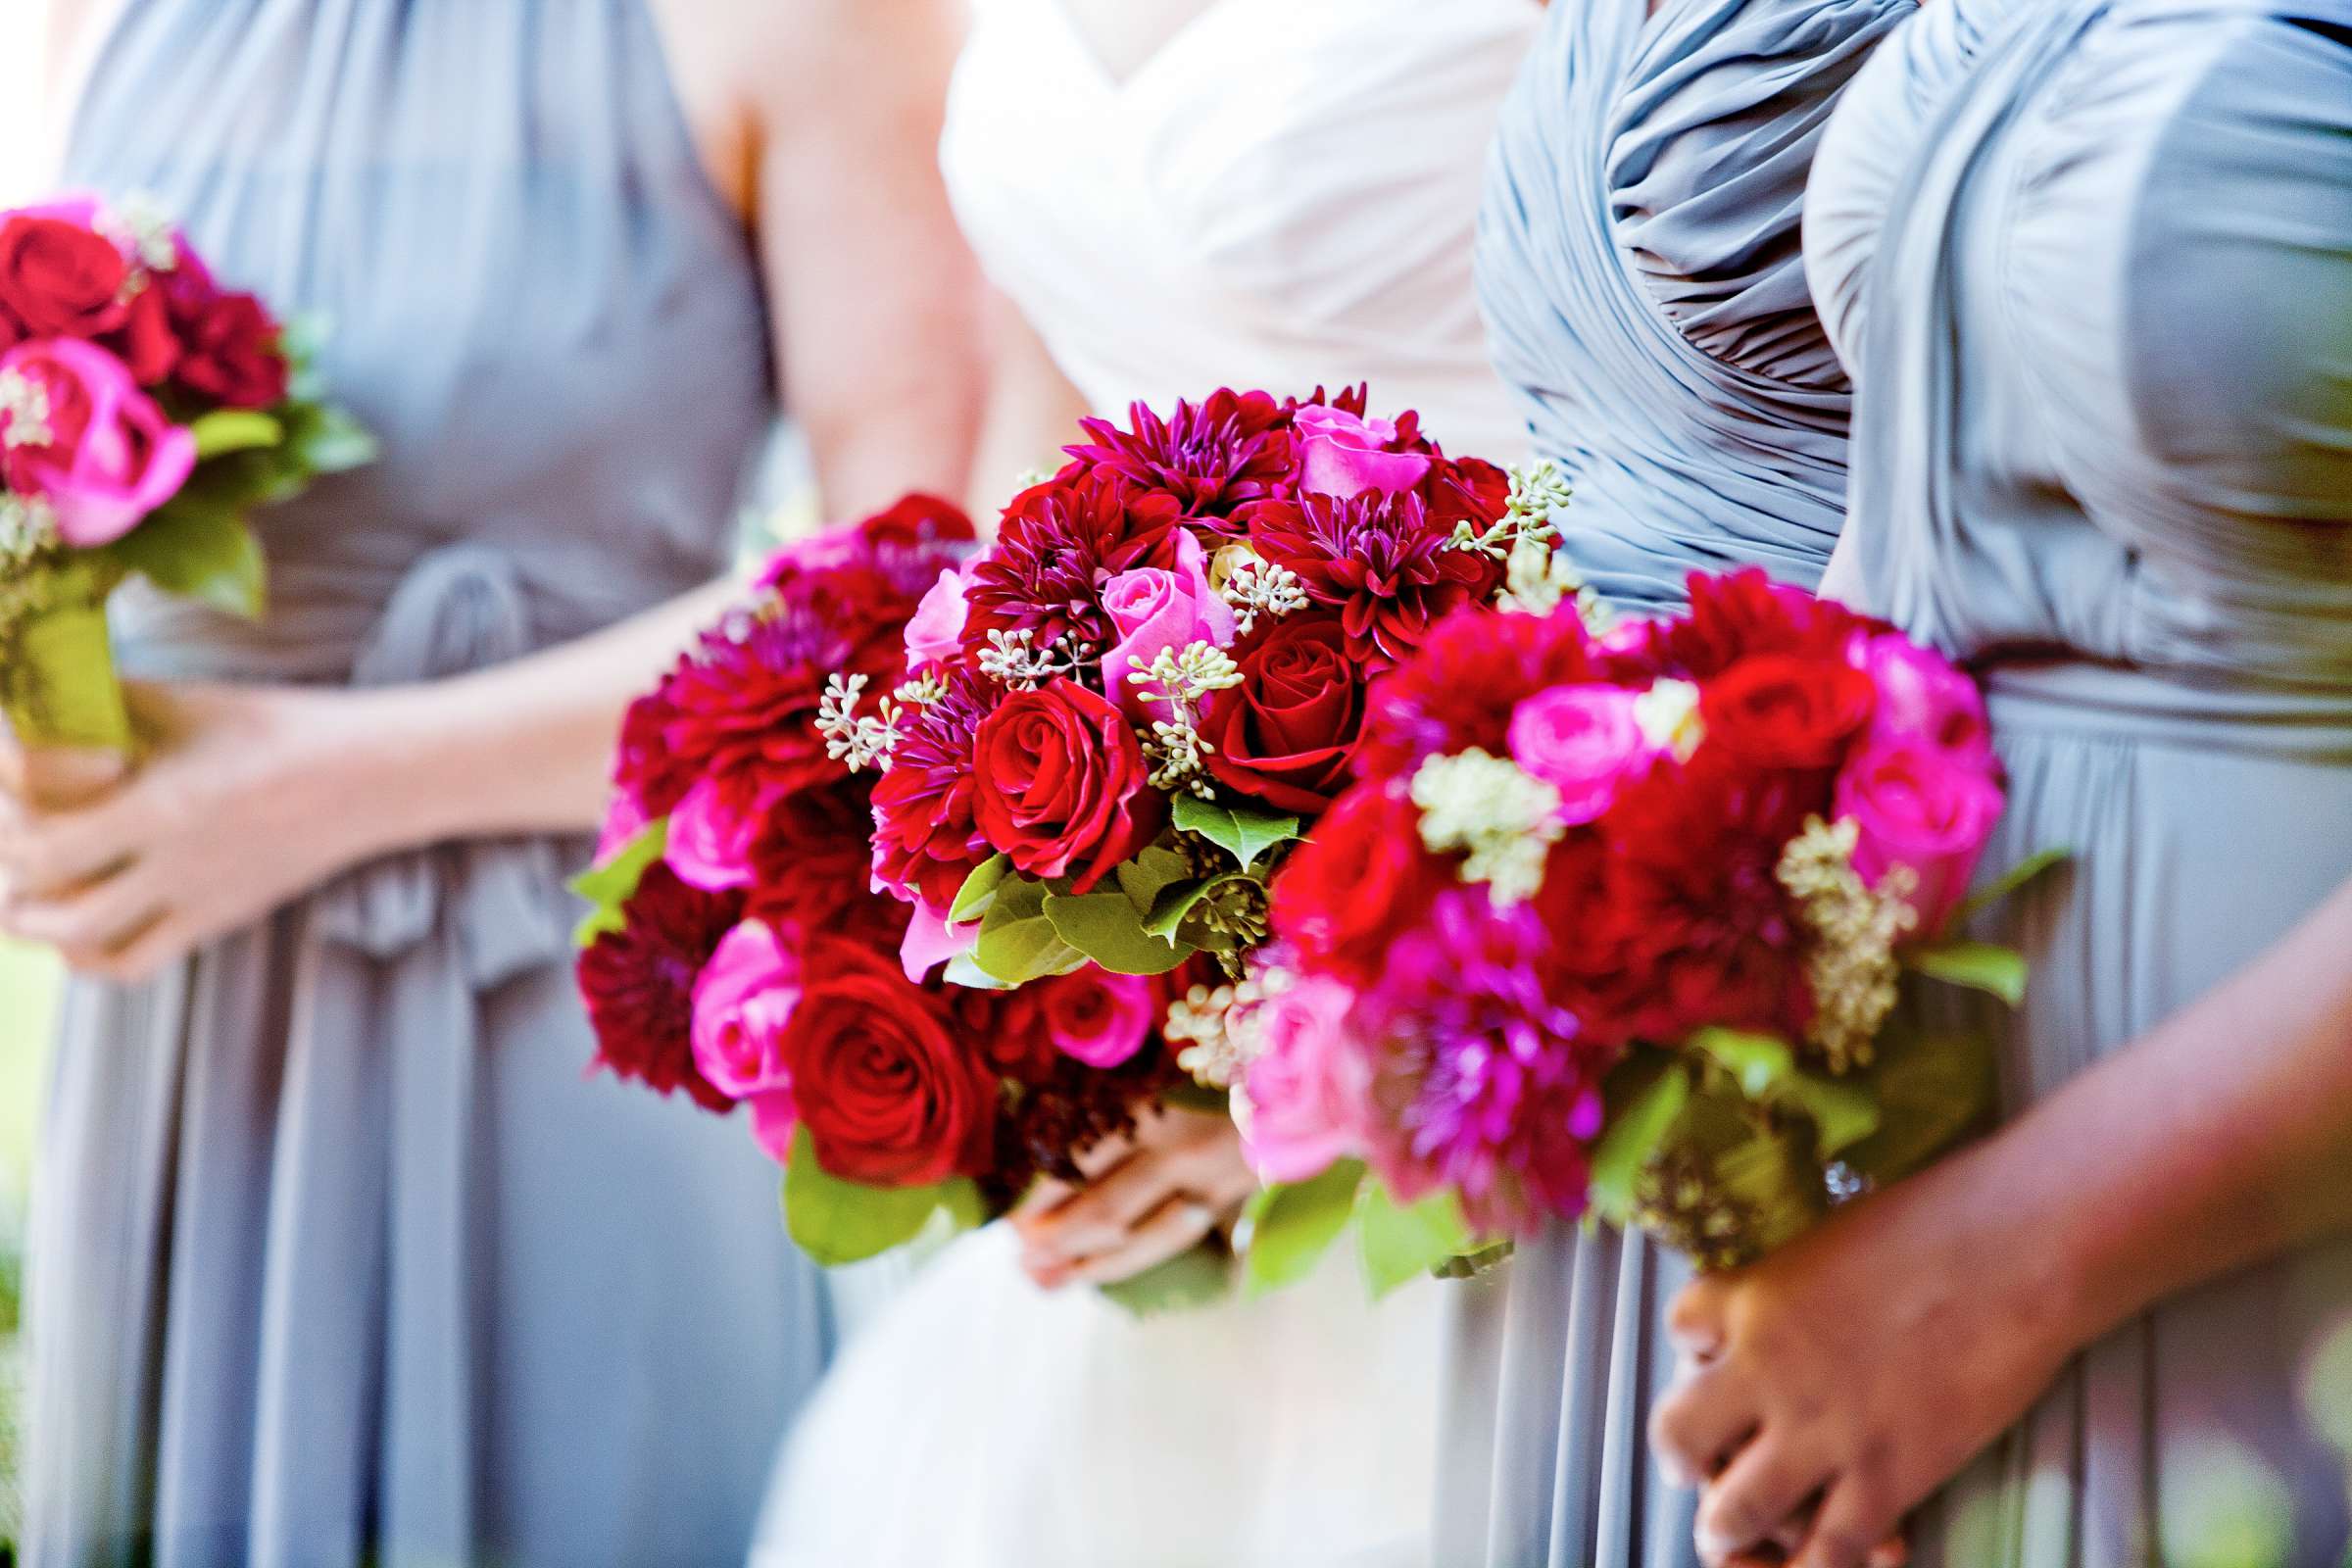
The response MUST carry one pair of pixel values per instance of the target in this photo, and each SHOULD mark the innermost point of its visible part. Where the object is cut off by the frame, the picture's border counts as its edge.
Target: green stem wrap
(58, 683)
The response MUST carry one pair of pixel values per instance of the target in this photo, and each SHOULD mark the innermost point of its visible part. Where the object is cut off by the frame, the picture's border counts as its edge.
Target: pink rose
(935, 634)
(1922, 808)
(711, 838)
(1344, 456)
(1097, 1017)
(624, 820)
(1156, 610)
(100, 451)
(1583, 741)
(931, 941)
(773, 1118)
(1308, 1085)
(742, 1004)
(1923, 695)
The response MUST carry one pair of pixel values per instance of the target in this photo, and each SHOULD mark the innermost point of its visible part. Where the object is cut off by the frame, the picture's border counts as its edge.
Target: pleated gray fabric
(338, 1257)
(2091, 263)
(1643, 289)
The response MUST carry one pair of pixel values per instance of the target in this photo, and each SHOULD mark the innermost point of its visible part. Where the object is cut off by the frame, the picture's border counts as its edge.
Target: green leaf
(1979, 965)
(1143, 878)
(332, 442)
(1755, 1061)
(1106, 927)
(1930, 1090)
(1202, 1276)
(1017, 942)
(1293, 1224)
(2026, 870)
(966, 971)
(1643, 1110)
(973, 898)
(611, 882)
(1178, 901)
(198, 551)
(1842, 1114)
(226, 430)
(1397, 1244)
(1240, 832)
(837, 1222)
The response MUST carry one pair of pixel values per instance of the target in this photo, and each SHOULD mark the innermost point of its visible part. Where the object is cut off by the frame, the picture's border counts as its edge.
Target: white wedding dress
(1285, 195)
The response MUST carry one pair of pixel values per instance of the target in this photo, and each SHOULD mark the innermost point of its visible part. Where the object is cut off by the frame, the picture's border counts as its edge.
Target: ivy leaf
(837, 1222)
(1397, 1244)
(1646, 1096)
(226, 430)
(1106, 928)
(1979, 965)
(1239, 831)
(972, 899)
(1017, 942)
(1198, 1278)
(199, 551)
(1755, 1061)
(2029, 869)
(612, 883)
(1293, 1224)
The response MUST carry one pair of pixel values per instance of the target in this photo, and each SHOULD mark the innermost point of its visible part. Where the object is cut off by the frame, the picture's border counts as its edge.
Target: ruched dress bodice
(2091, 264)
(338, 1255)
(1640, 277)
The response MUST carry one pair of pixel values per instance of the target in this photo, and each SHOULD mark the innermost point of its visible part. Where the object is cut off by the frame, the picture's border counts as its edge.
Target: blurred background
(27, 981)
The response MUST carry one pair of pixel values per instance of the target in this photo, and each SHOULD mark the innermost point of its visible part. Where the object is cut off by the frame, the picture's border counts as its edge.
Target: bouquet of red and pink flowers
(144, 411)
(738, 952)
(1121, 717)
(1619, 925)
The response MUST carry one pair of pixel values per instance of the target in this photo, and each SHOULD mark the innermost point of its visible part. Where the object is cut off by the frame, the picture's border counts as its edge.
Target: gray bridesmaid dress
(1638, 265)
(2091, 264)
(338, 1255)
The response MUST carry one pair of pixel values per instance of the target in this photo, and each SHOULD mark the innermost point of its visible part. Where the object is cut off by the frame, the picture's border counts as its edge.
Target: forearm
(2221, 1138)
(521, 748)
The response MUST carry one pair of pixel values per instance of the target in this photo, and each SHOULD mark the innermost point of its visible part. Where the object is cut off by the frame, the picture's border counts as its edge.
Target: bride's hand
(1860, 1366)
(1148, 1197)
(244, 797)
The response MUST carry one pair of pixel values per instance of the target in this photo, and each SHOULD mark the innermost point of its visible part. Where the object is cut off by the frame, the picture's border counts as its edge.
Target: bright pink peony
(934, 634)
(1154, 610)
(1099, 1018)
(1344, 454)
(1922, 696)
(1582, 740)
(1924, 808)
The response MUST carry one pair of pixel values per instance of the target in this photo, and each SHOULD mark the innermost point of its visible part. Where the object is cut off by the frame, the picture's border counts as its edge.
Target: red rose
(1059, 784)
(61, 280)
(146, 341)
(1358, 882)
(231, 353)
(1287, 733)
(888, 1096)
(1008, 1029)
(1784, 710)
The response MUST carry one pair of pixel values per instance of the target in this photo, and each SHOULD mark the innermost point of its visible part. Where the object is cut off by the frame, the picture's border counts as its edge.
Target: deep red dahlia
(927, 839)
(1231, 449)
(1460, 690)
(811, 867)
(1739, 615)
(1382, 561)
(638, 984)
(1059, 543)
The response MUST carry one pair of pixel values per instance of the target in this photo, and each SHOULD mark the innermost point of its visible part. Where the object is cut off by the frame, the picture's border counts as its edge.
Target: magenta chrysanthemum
(926, 840)
(1210, 458)
(1059, 543)
(1383, 562)
(1484, 1082)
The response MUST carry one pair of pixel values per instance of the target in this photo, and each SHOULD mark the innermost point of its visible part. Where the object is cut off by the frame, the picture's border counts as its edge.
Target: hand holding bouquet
(1619, 925)
(144, 410)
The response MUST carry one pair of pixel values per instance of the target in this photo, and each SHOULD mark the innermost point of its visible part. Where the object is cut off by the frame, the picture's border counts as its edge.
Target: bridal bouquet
(1619, 925)
(737, 952)
(144, 411)
(1120, 718)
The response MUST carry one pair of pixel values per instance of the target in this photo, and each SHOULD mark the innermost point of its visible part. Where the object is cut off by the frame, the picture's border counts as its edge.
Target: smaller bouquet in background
(144, 411)
(738, 953)
(1618, 925)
